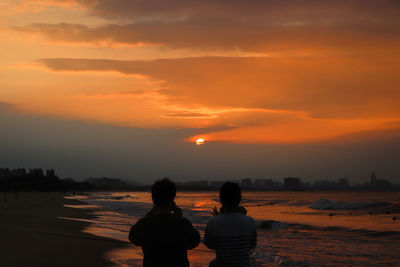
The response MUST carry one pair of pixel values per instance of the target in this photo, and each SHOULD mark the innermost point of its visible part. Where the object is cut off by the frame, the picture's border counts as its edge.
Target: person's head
(163, 192)
(230, 194)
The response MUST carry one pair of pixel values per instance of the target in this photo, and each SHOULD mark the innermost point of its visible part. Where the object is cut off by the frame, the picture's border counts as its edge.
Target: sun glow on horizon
(200, 141)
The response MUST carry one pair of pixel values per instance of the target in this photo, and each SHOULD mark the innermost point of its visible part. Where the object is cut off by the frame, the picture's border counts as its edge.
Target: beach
(294, 228)
(35, 232)
(51, 229)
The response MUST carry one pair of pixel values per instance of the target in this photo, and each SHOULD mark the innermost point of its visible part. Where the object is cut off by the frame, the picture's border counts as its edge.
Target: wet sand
(33, 233)
(132, 256)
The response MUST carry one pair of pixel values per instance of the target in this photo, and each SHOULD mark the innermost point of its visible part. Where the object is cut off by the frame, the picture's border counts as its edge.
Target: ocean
(294, 228)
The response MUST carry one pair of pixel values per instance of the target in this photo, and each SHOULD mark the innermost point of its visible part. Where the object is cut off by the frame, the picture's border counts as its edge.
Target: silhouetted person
(231, 233)
(164, 235)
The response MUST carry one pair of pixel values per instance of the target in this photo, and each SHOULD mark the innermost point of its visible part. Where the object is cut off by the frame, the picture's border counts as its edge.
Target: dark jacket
(165, 239)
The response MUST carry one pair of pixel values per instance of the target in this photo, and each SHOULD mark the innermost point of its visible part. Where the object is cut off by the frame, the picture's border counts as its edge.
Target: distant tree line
(20, 180)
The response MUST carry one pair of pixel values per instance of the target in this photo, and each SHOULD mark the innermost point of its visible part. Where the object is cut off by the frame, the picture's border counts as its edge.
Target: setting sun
(200, 141)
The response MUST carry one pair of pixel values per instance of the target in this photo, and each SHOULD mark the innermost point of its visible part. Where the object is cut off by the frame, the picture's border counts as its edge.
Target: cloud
(267, 100)
(324, 87)
(6, 107)
(81, 34)
(237, 8)
(297, 130)
(188, 115)
(204, 33)
(255, 26)
(32, 6)
(136, 93)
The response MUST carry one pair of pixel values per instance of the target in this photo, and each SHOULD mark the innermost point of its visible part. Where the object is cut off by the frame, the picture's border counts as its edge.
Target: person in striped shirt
(231, 233)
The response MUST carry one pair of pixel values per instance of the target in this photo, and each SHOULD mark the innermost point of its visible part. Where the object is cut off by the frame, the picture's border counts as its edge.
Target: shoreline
(38, 230)
(129, 255)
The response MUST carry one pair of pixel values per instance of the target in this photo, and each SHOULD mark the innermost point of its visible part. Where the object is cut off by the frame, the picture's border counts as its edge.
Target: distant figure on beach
(230, 232)
(164, 235)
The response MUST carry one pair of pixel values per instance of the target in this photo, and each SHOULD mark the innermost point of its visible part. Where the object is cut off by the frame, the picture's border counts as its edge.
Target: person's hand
(215, 211)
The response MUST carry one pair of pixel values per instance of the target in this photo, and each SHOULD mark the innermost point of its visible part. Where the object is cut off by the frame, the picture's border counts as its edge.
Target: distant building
(383, 184)
(343, 183)
(266, 184)
(291, 183)
(216, 184)
(373, 178)
(246, 183)
(193, 185)
(325, 185)
(378, 184)
(202, 183)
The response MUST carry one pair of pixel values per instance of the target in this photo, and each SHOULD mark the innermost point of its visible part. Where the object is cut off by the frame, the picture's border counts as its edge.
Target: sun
(200, 141)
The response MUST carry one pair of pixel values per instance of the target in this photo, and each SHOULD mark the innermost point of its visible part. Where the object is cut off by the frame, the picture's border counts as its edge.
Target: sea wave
(272, 225)
(135, 209)
(261, 258)
(200, 217)
(111, 197)
(325, 204)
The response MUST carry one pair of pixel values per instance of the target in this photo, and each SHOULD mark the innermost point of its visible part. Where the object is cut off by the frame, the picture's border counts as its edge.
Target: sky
(116, 88)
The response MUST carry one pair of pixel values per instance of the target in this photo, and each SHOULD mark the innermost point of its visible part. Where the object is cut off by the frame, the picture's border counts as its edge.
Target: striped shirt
(232, 236)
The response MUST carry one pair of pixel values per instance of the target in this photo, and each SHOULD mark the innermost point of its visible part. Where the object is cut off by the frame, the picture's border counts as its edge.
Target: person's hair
(163, 192)
(230, 194)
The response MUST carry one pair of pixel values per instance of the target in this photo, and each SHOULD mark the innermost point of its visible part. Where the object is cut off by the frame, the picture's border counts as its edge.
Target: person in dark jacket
(163, 233)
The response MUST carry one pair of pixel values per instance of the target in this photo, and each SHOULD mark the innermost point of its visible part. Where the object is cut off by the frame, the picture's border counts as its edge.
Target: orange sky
(260, 72)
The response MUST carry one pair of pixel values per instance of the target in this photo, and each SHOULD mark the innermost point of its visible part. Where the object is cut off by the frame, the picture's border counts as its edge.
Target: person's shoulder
(171, 218)
(222, 218)
(139, 226)
(242, 218)
(247, 219)
(142, 221)
(250, 222)
(250, 219)
(184, 221)
(214, 221)
(149, 219)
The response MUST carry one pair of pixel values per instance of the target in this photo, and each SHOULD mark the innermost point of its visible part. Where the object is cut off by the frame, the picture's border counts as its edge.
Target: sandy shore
(33, 234)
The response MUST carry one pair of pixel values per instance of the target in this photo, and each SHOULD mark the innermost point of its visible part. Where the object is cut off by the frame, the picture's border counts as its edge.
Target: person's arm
(208, 238)
(253, 243)
(192, 235)
(136, 235)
